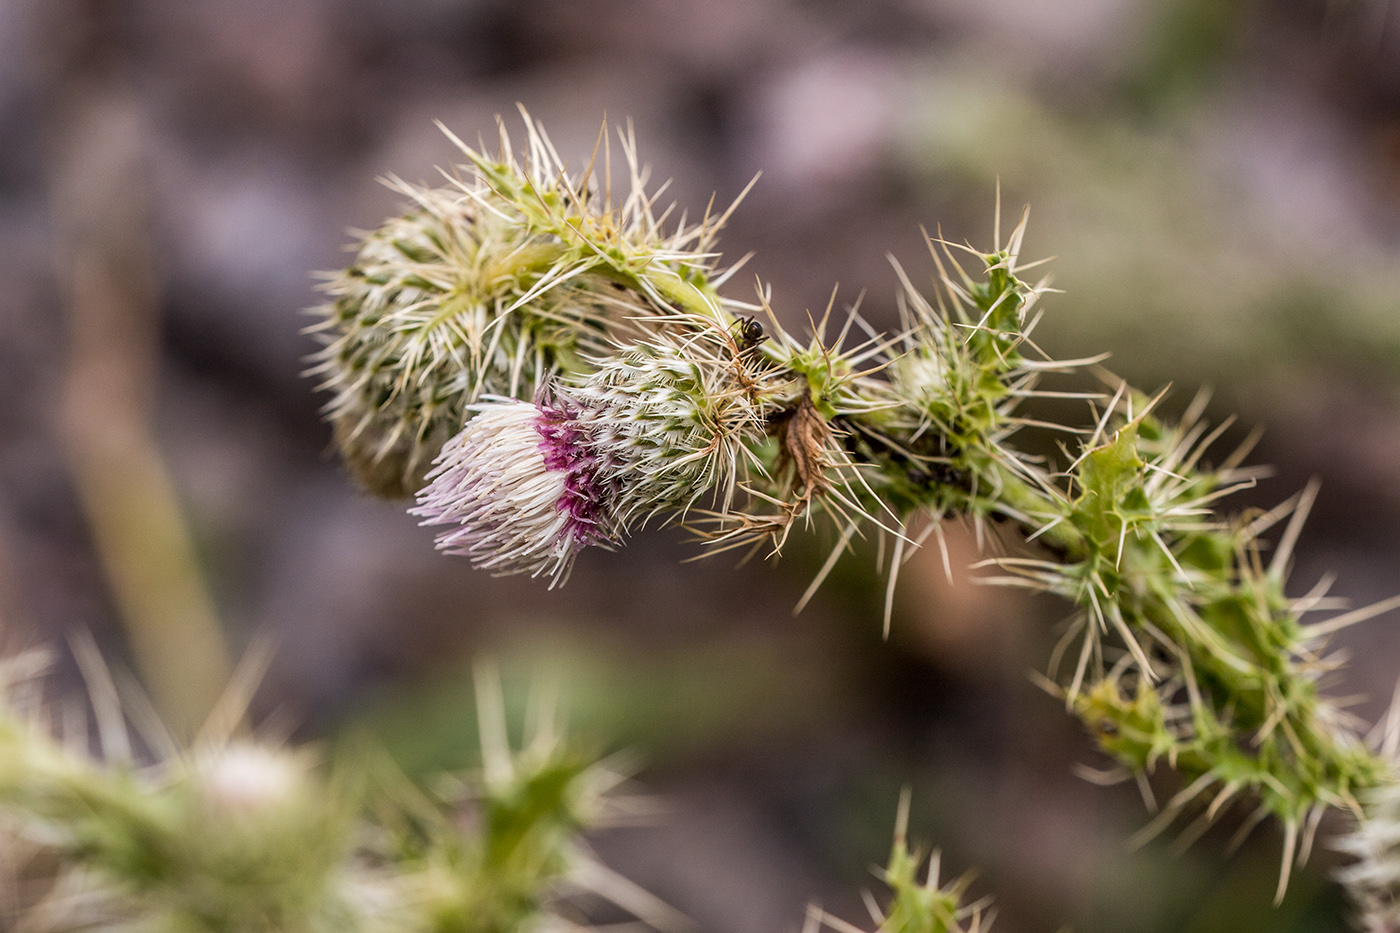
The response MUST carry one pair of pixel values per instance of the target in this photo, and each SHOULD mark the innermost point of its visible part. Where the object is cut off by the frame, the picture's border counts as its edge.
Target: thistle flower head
(668, 423)
(436, 312)
(527, 485)
(514, 273)
(244, 779)
(518, 486)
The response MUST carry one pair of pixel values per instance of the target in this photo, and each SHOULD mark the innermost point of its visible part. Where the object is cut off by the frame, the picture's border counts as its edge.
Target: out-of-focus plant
(916, 906)
(242, 835)
(564, 360)
(239, 834)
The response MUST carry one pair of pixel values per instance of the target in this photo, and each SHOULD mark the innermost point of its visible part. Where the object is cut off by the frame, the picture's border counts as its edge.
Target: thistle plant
(572, 371)
(242, 835)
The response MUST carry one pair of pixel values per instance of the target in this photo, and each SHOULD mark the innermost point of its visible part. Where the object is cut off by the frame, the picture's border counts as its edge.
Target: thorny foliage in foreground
(915, 906)
(578, 349)
(243, 835)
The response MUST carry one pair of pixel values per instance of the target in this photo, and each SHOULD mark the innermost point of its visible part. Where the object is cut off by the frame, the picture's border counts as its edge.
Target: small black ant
(750, 334)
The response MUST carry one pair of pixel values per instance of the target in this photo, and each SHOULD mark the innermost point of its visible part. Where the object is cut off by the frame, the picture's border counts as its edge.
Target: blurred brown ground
(1221, 182)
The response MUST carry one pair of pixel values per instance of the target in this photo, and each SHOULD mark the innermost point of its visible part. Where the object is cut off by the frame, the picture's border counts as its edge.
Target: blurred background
(1219, 179)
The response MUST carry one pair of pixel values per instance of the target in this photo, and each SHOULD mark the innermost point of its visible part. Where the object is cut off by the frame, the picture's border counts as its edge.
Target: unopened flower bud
(247, 780)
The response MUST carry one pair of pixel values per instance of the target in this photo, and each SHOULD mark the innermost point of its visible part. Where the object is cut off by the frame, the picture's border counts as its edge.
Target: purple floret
(564, 445)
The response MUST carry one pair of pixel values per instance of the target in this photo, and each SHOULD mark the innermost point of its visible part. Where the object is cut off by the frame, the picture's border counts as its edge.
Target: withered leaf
(803, 439)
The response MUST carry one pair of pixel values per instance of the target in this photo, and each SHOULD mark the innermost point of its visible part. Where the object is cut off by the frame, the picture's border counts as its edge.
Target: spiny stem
(652, 390)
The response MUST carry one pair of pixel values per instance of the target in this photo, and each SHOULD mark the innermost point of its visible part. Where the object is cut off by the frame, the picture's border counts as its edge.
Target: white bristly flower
(1373, 881)
(243, 779)
(529, 484)
(519, 486)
